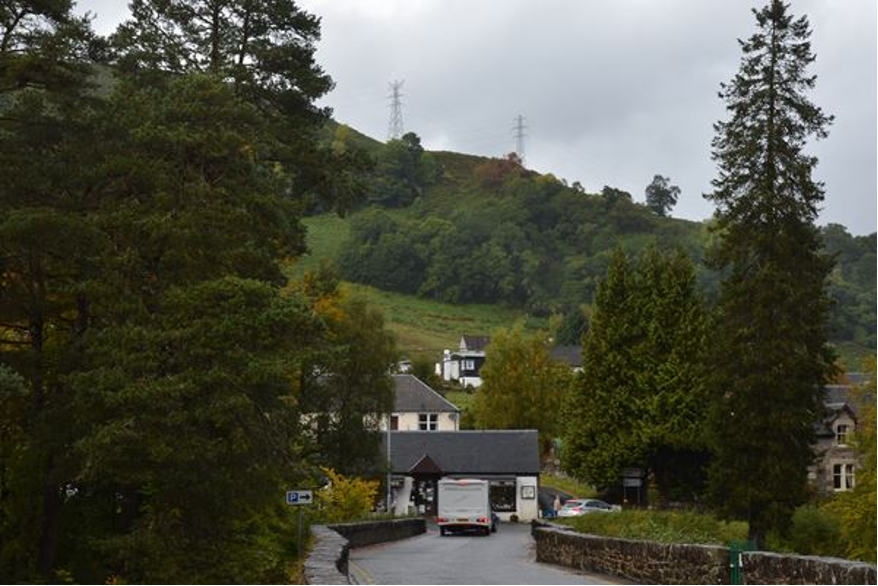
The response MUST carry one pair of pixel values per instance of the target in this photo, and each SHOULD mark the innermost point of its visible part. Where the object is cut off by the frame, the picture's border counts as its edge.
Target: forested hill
(466, 229)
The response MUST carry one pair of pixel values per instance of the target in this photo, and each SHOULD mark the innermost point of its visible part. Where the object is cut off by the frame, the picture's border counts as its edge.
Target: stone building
(835, 463)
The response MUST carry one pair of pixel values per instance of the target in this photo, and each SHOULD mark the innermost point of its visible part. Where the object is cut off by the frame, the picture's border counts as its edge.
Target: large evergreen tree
(264, 49)
(770, 357)
(151, 365)
(640, 400)
(47, 249)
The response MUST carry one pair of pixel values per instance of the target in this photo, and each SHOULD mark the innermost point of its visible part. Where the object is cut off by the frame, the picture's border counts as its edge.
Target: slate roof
(571, 355)
(837, 394)
(414, 396)
(838, 398)
(856, 378)
(475, 343)
(466, 452)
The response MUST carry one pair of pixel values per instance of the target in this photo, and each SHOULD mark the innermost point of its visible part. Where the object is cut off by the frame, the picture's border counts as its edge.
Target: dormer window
(841, 434)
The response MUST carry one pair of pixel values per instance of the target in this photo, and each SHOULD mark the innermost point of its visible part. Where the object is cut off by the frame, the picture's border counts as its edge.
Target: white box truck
(465, 504)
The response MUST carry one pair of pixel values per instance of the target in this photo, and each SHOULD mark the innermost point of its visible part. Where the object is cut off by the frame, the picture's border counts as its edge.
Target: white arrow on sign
(299, 497)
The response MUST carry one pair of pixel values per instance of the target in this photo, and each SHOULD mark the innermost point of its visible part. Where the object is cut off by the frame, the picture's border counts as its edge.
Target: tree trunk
(48, 546)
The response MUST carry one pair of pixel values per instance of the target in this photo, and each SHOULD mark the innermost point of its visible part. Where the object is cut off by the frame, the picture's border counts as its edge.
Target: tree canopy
(523, 388)
(661, 196)
(641, 400)
(153, 364)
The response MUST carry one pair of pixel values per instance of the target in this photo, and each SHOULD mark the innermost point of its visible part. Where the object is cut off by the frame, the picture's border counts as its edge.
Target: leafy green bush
(346, 499)
(661, 526)
(814, 531)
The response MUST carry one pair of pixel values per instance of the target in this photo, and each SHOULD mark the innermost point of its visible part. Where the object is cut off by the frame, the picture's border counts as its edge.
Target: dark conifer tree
(770, 358)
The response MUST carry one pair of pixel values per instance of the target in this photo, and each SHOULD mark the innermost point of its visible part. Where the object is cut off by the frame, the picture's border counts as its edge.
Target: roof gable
(425, 465)
(474, 343)
(414, 396)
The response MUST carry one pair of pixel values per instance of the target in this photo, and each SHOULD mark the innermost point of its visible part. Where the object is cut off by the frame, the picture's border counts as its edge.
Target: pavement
(505, 557)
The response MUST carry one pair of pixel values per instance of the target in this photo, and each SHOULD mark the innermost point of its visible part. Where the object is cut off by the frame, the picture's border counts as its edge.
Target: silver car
(577, 507)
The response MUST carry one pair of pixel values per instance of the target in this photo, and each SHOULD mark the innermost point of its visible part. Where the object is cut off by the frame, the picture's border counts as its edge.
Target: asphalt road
(505, 557)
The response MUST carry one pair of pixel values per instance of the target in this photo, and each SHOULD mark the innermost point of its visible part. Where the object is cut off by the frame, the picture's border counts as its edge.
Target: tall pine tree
(47, 249)
(770, 357)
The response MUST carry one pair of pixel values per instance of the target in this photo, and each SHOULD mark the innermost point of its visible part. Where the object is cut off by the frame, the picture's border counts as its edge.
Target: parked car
(577, 507)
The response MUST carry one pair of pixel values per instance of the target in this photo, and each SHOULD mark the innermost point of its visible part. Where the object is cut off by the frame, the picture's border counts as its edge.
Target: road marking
(359, 573)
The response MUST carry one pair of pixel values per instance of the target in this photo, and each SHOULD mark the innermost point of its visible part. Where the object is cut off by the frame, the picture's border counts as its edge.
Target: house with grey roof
(417, 407)
(836, 460)
(509, 460)
(463, 365)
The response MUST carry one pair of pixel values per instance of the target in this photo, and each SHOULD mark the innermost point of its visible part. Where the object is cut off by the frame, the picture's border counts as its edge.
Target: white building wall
(402, 497)
(528, 509)
(410, 421)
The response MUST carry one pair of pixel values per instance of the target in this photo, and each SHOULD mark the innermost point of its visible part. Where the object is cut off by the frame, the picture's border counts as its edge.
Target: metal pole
(389, 467)
(299, 540)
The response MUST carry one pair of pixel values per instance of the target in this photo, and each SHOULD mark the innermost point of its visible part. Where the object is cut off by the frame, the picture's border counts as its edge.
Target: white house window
(428, 421)
(842, 476)
(841, 435)
(469, 364)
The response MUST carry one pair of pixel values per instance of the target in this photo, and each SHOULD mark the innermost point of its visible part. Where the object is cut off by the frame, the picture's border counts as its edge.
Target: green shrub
(346, 499)
(661, 526)
(814, 531)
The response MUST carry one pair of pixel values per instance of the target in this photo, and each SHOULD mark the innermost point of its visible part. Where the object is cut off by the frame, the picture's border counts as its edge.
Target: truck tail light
(482, 520)
(441, 519)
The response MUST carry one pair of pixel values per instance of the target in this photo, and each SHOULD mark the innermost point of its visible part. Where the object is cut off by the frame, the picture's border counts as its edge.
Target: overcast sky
(613, 91)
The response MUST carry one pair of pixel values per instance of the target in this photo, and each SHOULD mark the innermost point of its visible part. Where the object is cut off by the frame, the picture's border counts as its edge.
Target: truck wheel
(487, 531)
(442, 531)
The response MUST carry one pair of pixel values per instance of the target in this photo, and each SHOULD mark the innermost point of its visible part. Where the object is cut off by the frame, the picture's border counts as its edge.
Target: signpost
(632, 478)
(300, 497)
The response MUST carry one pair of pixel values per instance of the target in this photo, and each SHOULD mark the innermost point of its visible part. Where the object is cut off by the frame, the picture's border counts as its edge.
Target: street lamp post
(389, 467)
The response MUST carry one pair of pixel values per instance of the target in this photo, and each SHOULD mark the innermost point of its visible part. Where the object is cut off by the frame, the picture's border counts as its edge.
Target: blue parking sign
(299, 497)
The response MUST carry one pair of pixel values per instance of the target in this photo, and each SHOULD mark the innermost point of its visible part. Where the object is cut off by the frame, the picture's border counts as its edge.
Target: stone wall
(328, 561)
(772, 568)
(369, 532)
(641, 561)
(665, 563)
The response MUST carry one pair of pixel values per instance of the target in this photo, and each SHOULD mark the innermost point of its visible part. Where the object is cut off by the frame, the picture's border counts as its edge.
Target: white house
(417, 407)
(463, 365)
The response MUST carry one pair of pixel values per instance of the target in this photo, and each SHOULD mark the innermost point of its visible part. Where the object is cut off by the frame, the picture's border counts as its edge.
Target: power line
(520, 135)
(395, 128)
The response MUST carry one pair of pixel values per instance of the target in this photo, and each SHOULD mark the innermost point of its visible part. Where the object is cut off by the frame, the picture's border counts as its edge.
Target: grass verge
(568, 485)
(661, 526)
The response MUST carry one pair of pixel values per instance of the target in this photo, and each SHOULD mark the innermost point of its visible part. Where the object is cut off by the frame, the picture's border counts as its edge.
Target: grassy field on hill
(487, 237)
(423, 327)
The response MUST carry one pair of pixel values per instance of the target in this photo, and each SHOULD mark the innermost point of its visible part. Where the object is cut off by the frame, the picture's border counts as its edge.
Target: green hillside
(448, 243)
(423, 327)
